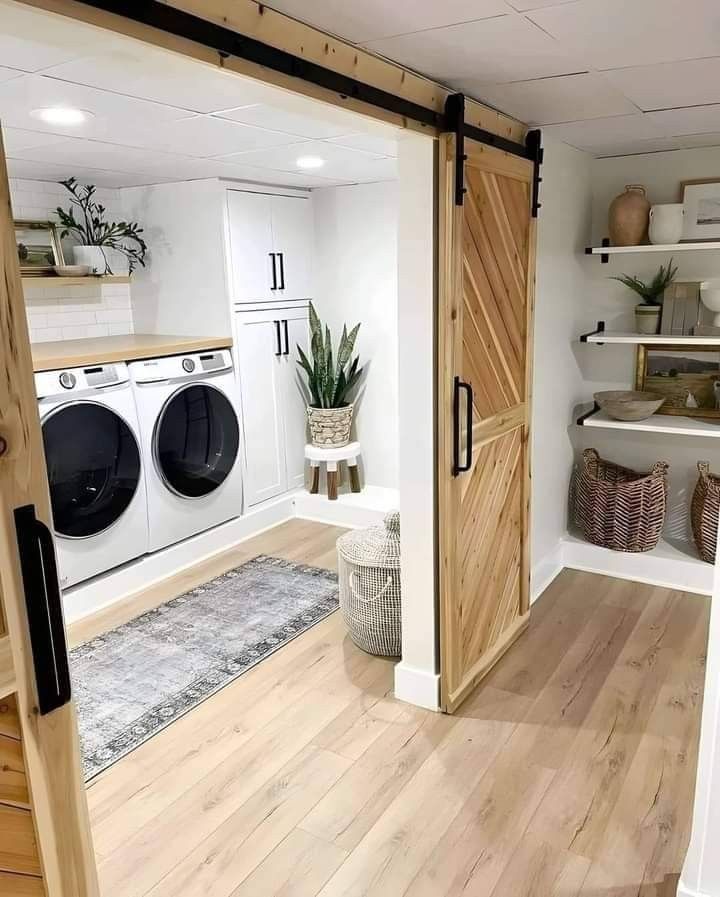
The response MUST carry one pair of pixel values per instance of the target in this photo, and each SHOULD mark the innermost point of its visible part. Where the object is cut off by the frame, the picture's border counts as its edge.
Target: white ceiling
(157, 117)
(608, 76)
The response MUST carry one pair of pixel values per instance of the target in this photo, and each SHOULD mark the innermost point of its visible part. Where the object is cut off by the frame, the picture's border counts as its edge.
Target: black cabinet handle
(287, 338)
(274, 269)
(278, 340)
(44, 610)
(458, 387)
(282, 271)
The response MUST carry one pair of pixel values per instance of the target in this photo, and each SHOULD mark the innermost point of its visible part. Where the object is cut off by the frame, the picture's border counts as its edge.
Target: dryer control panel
(181, 367)
(79, 380)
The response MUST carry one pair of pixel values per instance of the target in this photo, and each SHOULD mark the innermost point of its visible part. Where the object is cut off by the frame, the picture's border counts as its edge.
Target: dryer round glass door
(196, 440)
(93, 463)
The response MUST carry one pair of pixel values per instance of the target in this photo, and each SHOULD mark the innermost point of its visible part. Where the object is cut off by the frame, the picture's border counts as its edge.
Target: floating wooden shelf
(600, 336)
(658, 423)
(88, 281)
(605, 251)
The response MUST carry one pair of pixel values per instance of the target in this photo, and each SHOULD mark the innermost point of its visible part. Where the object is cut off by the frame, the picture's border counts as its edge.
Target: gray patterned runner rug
(135, 680)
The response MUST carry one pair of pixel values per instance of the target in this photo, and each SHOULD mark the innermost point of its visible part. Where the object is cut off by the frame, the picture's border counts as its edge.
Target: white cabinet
(271, 245)
(273, 405)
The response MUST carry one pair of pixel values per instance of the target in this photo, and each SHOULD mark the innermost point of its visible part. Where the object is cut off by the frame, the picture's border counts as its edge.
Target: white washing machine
(190, 439)
(92, 448)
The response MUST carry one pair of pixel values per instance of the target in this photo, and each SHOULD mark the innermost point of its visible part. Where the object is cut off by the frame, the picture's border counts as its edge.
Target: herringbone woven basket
(617, 507)
(704, 511)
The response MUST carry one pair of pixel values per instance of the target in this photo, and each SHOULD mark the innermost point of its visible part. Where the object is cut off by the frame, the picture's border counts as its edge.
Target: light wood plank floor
(568, 772)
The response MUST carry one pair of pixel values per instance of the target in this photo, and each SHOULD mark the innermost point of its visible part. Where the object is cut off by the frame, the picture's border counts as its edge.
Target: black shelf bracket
(583, 417)
(598, 330)
(533, 142)
(455, 122)
(604, 256)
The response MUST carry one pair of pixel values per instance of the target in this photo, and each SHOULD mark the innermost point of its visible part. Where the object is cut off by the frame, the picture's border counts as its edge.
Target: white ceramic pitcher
(666, 223)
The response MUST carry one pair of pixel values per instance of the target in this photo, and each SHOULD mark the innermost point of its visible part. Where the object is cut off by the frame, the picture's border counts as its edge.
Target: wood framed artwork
(38, 247)
(688, 378)
(701, 201)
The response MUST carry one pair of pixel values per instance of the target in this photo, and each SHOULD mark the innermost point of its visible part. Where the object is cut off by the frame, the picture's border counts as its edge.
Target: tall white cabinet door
(292, 226)
(296, 325)
(258, 356)
(251, 247)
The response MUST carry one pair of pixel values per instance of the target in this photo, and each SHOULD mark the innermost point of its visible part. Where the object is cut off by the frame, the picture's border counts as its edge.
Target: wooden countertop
(52, 356)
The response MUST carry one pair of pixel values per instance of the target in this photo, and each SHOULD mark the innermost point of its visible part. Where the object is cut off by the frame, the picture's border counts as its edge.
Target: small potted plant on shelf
(647, 313)
(100, 241)
(330, 383)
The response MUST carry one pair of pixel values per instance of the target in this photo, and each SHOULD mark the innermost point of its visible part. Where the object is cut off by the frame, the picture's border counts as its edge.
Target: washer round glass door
(93, 464)
(196, 440)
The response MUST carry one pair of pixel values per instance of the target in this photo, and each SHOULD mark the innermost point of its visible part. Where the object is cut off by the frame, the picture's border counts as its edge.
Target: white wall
(416, 676)
(563, 232)
(612, 367)
(356, 281)
(55, 311)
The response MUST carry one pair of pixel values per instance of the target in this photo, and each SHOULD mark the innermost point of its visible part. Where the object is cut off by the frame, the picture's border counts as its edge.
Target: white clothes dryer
(92, 449)
(190, 436)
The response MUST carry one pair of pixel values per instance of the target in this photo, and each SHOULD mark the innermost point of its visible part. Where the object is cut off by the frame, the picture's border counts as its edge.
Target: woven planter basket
(704, 511)
(618, 508)
(369, 579)
(330, 426)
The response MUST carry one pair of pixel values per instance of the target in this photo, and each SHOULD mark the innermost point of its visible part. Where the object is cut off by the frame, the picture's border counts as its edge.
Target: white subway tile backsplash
(62, 311)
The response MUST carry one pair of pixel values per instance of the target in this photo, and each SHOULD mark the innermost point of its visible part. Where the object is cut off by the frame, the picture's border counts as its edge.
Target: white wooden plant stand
(332, 457)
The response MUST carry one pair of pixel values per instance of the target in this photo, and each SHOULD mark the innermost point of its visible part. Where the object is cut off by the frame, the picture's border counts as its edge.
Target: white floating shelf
(660, 339)
(657, 423)
(90, 280)
(664, 247)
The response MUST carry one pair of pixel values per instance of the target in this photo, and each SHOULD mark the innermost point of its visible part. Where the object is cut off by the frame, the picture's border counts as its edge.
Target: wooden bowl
(72, 270)
(624, 404)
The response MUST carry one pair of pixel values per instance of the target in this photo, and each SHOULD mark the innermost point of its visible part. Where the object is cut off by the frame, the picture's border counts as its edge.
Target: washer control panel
(68, 380)
(188, 365)
(80, 380)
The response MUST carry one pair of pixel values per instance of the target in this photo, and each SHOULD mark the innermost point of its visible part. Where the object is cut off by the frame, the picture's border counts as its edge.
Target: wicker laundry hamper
(617, 507)
(369, 577)
(704, 511)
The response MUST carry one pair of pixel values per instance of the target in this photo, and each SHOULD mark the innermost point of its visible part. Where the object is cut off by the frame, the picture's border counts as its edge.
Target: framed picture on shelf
(689, 378)
(701, 201)
(38, 247)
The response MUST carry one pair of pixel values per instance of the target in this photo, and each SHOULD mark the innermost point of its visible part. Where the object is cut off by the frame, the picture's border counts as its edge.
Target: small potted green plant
(647, 313)
(330, 383)
(100, 241)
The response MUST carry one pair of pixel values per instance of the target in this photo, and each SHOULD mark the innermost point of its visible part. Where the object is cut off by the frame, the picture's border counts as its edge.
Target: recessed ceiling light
(309, 162)
(61, 115)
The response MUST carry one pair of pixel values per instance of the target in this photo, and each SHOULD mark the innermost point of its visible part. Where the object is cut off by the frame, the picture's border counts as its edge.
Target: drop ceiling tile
(275, 118)
(598, 132)
(508, 48)
(203, 136)
(98, 154)
(44, 171)
(112, 113)
(659, 145)
(552, 100)
(17, 140)
(7, 74)
(616, 33)
(341, 163)
(693, 120)
(32, 40)
(369, 143)
(525, 5)
(669, 84)
(374, 19)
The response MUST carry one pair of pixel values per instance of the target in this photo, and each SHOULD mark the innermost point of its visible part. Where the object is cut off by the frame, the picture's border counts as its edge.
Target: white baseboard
(664, 566)
(544, 572)
(119, 584)
(351, 510)
(417, 687)
(684, 891)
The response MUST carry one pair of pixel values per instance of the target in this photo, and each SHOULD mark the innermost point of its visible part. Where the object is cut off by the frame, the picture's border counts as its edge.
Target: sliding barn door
(485, 337)
(45, 846)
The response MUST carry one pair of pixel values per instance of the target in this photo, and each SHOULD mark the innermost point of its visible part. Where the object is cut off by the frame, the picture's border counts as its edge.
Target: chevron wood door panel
(486, 298)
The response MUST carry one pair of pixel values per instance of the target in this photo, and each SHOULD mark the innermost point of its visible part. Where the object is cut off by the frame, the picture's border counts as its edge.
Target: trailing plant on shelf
(330, 382)
(647, 313)
(650, 293)
(92, 230)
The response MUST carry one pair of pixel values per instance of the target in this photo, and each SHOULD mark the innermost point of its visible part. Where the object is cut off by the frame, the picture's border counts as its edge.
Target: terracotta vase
(628, 217)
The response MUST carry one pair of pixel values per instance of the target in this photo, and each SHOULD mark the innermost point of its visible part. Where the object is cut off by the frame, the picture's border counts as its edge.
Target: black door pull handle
(274, 271)
(287, 338)
(282, 271)
(43, 602)
(278, 340)
(458, 465)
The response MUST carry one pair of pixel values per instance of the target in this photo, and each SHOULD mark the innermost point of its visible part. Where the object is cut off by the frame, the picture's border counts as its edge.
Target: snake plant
(330, 381)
